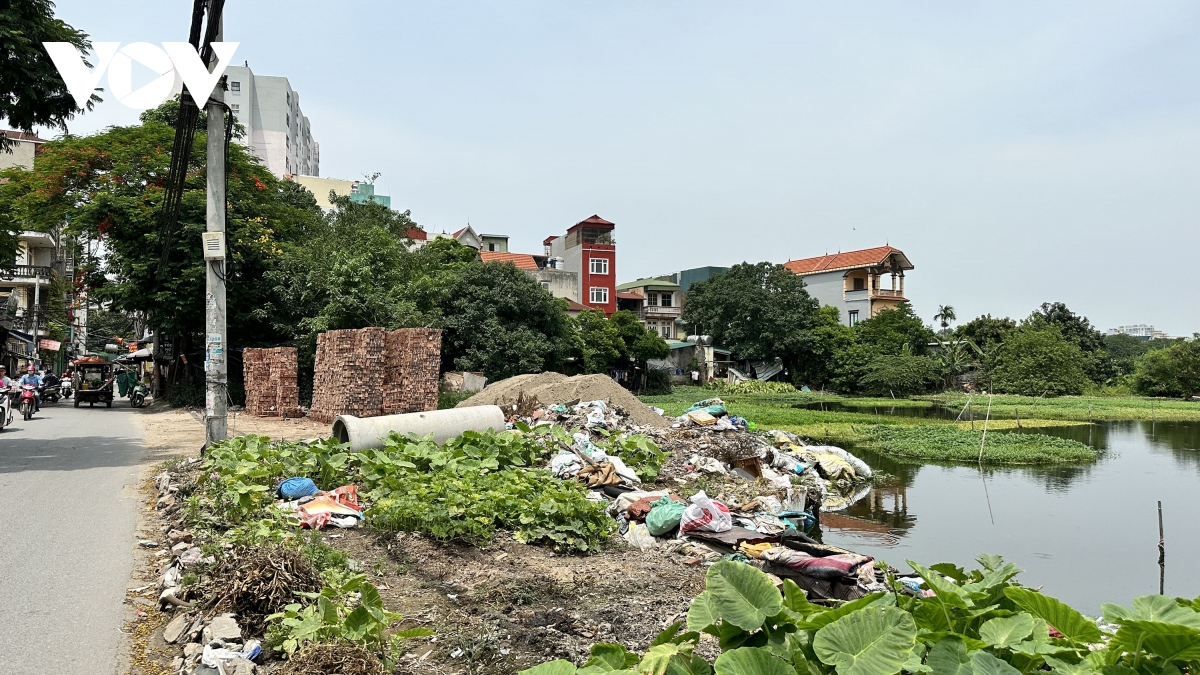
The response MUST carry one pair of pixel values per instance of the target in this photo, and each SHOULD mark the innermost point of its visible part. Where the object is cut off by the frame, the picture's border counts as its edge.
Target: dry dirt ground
(496, 609)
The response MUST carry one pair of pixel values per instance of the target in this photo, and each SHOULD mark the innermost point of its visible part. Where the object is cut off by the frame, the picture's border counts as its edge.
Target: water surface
(1086, 533)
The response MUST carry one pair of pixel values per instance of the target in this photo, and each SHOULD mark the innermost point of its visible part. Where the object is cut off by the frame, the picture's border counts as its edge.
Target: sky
(1017, 152)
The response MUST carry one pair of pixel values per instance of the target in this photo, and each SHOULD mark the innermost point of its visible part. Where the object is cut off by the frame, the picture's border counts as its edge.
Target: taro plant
(962, 623)
(351, 611)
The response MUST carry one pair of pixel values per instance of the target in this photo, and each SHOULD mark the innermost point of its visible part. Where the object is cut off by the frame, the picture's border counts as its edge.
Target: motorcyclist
(31, 377)
(5, 382)
(50, 379)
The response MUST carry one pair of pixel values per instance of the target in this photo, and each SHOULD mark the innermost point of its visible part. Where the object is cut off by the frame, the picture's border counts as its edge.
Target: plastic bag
(295, 488)
(705, 514)
(639, 537)
(664, 516)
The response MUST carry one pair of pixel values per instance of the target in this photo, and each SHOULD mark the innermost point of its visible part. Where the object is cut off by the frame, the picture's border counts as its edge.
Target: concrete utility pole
(216, 366)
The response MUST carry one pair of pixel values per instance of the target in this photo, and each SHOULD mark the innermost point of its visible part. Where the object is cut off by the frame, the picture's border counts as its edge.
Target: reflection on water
(1088, 533)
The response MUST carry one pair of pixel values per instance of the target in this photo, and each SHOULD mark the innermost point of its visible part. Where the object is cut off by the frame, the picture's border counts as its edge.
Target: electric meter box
(214, 245)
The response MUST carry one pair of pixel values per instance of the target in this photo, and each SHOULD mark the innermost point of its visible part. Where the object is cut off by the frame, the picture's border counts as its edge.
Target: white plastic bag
(705, 514)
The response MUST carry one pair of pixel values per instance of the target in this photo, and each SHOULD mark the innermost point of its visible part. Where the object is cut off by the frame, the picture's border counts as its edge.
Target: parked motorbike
(27, 401)
(51, 393)
(137, 397)
(5, 407)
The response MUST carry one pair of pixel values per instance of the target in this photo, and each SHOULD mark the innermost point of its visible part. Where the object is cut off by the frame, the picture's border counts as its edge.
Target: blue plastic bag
(295, 488)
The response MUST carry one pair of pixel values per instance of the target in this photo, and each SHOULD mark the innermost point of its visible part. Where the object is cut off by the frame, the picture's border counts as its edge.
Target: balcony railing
(887, 293)
(661, 312)
(24, 272)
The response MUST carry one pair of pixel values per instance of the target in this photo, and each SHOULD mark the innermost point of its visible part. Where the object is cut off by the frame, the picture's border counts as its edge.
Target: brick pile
(270, 377)
(369, 372)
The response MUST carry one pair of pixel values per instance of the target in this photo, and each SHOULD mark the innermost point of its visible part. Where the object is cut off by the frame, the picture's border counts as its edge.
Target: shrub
(1037, 361)
(1174, 371)
(900, 375)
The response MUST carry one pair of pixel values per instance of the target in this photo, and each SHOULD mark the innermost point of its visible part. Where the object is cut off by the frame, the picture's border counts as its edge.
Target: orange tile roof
(846, 260)
(573, 306)
(523, 261)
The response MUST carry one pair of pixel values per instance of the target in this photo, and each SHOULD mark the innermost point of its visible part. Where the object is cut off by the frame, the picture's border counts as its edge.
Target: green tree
(891, 329)
(32, 93)
(900, 375)
(1077, 329)
(986, 332)
(601, 344)
(760, 311)
(499, 320)
(1036, 361)
(1126, 350)
(831, 341)
(639, 344)
(109, 187)
(1174, 371)
(945, 316)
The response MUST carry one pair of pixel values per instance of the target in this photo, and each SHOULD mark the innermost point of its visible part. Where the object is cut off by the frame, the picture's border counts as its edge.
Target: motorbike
(137, 397)
(27, 400)
(65, 388)
(5, 407)
(51, 393)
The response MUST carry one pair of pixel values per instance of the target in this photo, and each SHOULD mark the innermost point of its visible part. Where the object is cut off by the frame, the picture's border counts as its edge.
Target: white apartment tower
(276, 131)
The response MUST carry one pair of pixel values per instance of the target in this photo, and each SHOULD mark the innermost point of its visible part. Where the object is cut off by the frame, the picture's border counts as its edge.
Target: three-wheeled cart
(93, 383)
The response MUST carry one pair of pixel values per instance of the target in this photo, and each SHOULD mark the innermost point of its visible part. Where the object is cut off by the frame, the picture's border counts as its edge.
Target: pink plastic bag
(705, 514)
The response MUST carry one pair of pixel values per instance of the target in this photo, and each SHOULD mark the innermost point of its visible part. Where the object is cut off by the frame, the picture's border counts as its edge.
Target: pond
(1087, 534)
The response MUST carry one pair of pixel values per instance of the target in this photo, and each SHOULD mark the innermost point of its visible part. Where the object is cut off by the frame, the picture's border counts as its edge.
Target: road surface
(66, 545)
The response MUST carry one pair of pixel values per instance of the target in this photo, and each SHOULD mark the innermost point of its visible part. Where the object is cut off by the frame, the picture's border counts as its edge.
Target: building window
(235, 108)
(235, 86)
(666, 330)
(860, 284)
(651, 299)
(546, 285)
(665, 299)
(599, 265)
(853, 316)
(288, 119)
(599, 295)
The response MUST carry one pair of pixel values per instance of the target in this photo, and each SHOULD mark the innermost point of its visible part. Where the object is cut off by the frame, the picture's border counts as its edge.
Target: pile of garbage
(772, 487)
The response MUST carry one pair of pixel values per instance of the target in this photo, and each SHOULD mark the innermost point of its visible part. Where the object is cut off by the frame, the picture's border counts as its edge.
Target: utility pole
(216, 366)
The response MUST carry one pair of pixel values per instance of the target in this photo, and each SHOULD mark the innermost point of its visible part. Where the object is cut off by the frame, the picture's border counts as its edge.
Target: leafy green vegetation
(953, 443)
(465, 489)
(1081, 408)
(979, 622)
(932, 439)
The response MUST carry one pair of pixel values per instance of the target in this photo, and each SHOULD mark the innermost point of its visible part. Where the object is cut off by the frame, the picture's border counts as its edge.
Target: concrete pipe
(368, 432)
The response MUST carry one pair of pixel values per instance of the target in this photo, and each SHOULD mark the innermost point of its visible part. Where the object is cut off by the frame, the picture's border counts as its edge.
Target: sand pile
(556, 388)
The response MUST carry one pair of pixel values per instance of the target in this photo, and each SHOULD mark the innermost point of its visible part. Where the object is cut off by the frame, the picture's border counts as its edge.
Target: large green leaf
(795, 599)
(1073, 625)
(947, 592)
(741, 595)
(1006, 631)
(1081, 668)
(1170, 641)
(827, 617)
(949, 657)
(984, 663)
(1152, 608)
(870, 641)
(673, 659)
(752, 661)
(559, 667)
(702, 613)
(611, 656)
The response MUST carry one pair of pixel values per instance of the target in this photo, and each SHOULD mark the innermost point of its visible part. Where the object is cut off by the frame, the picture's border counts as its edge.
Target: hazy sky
(1018, 152)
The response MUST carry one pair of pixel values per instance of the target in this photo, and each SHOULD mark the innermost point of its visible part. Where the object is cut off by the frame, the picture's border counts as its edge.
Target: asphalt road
(66, 544)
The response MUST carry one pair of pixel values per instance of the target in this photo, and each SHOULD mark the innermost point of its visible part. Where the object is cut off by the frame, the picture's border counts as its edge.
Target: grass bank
(1080, 408)
(901, 437)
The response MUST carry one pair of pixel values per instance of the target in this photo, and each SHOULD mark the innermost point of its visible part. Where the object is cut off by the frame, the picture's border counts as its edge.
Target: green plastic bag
(664, 516)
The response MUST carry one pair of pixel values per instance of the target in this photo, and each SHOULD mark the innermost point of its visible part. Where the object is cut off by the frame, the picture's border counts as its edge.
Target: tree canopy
(760, 311)
(1039, 360)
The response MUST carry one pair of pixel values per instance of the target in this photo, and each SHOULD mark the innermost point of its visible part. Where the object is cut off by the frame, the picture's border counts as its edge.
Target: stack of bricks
(270, 377)
(370, 372)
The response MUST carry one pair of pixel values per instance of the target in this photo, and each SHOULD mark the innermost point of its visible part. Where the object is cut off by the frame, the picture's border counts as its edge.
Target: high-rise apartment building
(276, 130)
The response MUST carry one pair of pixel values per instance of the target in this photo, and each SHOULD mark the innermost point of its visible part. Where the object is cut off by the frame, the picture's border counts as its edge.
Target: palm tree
(945, 316)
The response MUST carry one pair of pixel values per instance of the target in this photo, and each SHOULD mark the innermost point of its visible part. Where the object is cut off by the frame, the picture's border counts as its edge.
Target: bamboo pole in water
(960, 412)
(1162, 552)
(983, 439)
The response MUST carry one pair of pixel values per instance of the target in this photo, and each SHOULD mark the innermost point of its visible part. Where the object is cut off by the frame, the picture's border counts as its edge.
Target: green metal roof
(679, 344)
(649, 283)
